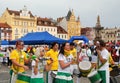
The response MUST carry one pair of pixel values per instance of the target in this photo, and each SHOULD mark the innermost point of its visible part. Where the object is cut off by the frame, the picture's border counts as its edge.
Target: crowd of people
(61, 63)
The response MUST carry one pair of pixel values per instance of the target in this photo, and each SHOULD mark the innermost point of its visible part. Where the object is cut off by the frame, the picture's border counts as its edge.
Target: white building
(62, 33)
(45, 24)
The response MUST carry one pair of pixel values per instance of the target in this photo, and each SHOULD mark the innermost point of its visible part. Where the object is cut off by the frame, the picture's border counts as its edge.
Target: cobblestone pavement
(4, 74)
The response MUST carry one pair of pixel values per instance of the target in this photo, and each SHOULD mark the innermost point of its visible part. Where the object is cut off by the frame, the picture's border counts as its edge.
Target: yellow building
(21, 21)
(70, 24)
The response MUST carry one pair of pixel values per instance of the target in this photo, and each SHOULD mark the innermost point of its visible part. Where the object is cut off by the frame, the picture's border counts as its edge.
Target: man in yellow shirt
(53, 54)
(18, 58)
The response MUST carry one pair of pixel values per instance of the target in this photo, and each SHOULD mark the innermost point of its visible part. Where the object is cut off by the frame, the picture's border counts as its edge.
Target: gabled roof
(60, 30)
(17, 13)
(4, 25)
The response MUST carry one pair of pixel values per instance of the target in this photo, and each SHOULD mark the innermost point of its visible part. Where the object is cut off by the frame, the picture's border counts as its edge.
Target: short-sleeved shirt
(20, 58)
(39, 74)
(66, 60)
(54, 55)
(105, 55)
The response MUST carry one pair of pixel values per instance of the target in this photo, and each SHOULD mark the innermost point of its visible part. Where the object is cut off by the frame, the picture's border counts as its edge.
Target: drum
(94, 77)
(85, 68)
(23, 78)
(53, 74)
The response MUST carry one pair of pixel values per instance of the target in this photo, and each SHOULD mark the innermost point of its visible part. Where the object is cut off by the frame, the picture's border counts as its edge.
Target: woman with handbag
(64, 69)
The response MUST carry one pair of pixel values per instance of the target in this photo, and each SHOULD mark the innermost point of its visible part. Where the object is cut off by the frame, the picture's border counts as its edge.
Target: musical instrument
(85, 67)
(53, 74)
(23, 78)
(94, 77)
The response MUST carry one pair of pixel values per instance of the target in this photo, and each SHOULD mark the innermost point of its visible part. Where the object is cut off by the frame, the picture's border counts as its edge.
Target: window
(62, 36)
(39, 22)
(51, 29)
(24, 30)
(16, 37)
(2, 34)
(22, 23)
(45, 23)
(38, 29)
(14, 22)
(59, 36)
(16, 31)
(41, 29)
(48, 29)
(33, 24)
(65, 36)
(17, 22)
(21, 30)
(1, 28)
(54, 29)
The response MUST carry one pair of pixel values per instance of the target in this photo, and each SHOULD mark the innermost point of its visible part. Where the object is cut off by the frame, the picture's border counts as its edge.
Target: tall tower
(98, 22)
(98, 29)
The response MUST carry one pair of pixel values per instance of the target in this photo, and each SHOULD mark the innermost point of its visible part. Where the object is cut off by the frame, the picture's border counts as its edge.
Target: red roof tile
(44, 22)
(18, 12)
(4, 25)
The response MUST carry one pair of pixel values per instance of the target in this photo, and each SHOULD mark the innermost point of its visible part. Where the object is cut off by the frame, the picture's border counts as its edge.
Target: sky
(87, 10)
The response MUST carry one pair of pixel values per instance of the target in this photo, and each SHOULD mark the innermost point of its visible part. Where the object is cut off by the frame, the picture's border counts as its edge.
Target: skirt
(62, 77)
(37, 80)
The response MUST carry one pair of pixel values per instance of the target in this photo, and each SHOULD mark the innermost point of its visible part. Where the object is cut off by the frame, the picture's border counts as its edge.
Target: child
(37, 71)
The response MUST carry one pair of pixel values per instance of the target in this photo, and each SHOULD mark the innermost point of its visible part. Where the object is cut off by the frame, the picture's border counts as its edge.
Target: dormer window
(39, 22)
(45, 23)
(51, 23)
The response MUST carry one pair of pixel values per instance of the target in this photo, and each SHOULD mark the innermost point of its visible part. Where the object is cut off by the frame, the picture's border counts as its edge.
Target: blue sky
(87, 9)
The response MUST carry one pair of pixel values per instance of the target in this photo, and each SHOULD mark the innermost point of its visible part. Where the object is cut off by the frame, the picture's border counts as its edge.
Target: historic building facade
(110, 34)
(45, 24)
(21, 21)
(89, 32)
(5, 32)
(70, 24)
(62, 33)
(118, 35)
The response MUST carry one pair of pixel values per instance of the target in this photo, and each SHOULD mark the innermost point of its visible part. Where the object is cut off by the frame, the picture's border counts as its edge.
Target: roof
(68, 15)
(18, 12)
(84, 30)
(60, 30)
(4, 25)
(44, 22)
(59, 19)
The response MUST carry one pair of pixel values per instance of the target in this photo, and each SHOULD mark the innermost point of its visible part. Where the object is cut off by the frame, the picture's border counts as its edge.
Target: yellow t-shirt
(20, 58)
(74, 52)
(54, 55)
